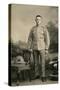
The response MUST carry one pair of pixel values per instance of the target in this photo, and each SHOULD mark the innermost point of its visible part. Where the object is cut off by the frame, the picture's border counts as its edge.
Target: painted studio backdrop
(21, 20)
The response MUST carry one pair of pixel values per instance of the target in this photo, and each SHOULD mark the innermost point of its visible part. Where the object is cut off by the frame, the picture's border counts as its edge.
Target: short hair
(38, 16)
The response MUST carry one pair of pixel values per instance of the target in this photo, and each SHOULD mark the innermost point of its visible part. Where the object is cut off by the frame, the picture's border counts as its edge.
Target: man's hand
(46, 51)
(46, 55)
(30, 50)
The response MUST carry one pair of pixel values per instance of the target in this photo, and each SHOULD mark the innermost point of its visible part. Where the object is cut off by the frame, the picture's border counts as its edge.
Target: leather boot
(43, 79)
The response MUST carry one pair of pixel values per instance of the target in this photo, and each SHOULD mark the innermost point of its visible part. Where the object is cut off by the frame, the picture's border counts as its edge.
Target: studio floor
(34, 82)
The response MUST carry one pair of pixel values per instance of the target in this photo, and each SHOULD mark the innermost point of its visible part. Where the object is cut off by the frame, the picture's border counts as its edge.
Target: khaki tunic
(38, 38)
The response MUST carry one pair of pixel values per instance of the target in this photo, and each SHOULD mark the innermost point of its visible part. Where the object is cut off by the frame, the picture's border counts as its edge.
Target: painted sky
(23, 18)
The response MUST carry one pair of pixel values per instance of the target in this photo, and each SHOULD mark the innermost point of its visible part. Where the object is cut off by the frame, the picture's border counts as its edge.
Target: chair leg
(29, 74)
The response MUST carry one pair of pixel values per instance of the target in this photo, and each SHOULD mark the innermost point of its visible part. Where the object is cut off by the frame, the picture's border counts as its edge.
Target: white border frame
(4, 43)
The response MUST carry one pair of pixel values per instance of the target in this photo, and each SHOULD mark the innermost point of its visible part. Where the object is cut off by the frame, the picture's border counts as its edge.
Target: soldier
(38, 41)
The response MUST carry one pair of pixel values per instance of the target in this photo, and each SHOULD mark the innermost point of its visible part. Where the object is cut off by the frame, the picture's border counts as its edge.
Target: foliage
(53, 31)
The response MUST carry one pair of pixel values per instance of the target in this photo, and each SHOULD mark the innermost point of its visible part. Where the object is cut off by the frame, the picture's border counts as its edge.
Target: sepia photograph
(33, 45)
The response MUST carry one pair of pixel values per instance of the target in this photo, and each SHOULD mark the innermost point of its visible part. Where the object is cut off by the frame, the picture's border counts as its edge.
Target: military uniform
(39, 40)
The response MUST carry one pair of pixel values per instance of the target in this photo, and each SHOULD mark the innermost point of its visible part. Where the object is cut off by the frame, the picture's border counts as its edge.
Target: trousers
(39, 62)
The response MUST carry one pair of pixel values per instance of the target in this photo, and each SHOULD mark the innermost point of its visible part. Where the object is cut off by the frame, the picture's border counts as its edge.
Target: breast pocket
(41, 35)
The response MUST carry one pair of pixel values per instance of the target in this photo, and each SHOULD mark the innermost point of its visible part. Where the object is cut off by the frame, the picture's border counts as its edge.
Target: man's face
(38, 20)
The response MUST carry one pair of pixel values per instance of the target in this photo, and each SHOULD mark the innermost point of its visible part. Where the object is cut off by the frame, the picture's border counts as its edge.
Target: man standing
(39, 42)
